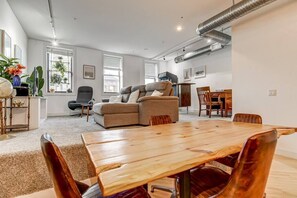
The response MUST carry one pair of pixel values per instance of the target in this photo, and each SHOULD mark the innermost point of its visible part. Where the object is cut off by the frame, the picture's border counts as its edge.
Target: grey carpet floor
(66, 131)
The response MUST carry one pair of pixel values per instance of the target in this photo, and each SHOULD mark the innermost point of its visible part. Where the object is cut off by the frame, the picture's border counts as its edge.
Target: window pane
(59, 65)
(149, 80)
(111, 72)
(111, 83)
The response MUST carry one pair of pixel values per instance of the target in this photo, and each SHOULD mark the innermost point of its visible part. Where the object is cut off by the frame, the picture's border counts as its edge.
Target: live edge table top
(128, 158)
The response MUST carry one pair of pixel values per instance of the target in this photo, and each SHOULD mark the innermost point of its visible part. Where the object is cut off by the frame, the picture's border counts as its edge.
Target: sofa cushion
(115, 108)
(141, 89)
(157, 93)
(133, 96)
(115, 99)
(163, 87)
(125, 92)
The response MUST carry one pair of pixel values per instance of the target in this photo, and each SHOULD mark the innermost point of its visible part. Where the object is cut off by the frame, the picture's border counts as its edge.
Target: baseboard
(286, 153)
(57, 114)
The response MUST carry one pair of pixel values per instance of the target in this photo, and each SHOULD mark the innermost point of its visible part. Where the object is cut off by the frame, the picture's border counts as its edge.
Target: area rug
(22, 166)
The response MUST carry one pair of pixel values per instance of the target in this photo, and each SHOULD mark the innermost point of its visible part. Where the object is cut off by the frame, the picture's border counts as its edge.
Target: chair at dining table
(64, 184)
(249, 176)
(158, 120)
(230, 160)
(205, 99)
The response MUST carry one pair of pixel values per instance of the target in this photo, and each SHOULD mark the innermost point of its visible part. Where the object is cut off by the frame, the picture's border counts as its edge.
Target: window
(112, 74)
(59, 70)
(151, 72)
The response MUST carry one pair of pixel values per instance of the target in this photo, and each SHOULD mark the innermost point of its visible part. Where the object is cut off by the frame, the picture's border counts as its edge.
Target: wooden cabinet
(183, 91)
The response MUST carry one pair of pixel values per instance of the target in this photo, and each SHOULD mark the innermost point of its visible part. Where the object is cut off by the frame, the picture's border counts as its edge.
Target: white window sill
(60, 94)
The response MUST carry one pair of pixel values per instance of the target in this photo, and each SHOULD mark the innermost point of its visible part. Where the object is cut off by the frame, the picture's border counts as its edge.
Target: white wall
(218, 72)
(264, 58)
(11, 25)
(133, 73)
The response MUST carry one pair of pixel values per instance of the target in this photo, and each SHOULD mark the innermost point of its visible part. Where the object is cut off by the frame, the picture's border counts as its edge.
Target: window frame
(71, 71)
(120, 73)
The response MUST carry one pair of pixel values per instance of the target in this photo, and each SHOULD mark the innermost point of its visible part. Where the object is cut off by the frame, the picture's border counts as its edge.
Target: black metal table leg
(185, 187)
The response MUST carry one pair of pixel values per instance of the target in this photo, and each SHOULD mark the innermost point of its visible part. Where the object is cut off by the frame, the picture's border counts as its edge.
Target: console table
(13, 125)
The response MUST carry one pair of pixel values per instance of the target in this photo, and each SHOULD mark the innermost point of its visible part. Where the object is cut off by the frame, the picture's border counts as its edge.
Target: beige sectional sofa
(122, 114)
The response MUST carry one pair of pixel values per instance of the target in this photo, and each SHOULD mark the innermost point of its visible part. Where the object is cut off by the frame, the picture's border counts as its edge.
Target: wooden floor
(282, 182)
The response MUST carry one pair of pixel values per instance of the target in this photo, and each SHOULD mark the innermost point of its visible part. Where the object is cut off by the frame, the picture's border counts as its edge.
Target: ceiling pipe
(217, 36)
(207, 28)
(234, 12)
(198, 52)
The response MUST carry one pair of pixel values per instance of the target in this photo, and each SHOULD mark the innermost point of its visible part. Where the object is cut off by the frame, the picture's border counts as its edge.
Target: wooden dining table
(127, 158)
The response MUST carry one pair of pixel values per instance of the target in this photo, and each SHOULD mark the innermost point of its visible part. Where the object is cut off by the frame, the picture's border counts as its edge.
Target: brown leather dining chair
(249, 176)
(64, 184)
(205, 99)
(157, 120)
(230, 160)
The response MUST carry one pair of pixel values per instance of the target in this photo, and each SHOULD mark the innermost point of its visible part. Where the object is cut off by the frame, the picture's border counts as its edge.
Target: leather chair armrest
(71, 101)
(145, 98)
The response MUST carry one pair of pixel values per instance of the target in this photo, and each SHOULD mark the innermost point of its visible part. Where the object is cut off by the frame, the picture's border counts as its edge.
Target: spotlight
(209, 40)
(55, 43)
(164, 58)
(179, 28)
(184, 49)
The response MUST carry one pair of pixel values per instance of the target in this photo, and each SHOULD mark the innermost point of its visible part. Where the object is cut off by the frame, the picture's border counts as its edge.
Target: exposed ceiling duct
(207, 28)
(234, 12)
(217, 36)
(198, 52)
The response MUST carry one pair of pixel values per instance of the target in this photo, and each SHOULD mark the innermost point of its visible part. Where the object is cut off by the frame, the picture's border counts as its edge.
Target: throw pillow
(115, 99)
(133, 96)
(157, 93)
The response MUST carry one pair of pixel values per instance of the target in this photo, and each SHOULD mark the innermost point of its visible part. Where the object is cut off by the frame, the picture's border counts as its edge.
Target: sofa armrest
(145, 98)
(157, 105)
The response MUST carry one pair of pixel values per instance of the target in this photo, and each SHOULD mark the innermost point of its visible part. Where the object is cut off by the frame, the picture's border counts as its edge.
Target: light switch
(272, 92)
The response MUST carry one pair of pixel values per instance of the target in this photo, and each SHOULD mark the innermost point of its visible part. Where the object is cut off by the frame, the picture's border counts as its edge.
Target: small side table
(83, 106)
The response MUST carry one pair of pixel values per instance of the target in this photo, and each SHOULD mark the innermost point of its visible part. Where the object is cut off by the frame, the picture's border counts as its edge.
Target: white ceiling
(138, 27)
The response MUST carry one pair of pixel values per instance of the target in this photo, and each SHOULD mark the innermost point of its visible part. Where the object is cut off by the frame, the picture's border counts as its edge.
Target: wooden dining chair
(230, 160)
(64, 184)
(249, 176)
(249, 118)
(158, 120)
(205, 99)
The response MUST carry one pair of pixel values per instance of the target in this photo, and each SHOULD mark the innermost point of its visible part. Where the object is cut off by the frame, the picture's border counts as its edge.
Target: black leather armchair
(84, 96)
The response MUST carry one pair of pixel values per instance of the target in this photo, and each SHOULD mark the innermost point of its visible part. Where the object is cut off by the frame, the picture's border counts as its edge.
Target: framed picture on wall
(18, 53)
(89, 72)
(5, 44)
(187, 74)
(199, 72)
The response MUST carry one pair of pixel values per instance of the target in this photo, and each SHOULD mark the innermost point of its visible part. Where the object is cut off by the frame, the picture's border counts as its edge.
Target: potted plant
(39, 81)
(11, 69)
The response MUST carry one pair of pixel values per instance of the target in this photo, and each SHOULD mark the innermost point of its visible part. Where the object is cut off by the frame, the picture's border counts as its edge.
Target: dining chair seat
(207, 181)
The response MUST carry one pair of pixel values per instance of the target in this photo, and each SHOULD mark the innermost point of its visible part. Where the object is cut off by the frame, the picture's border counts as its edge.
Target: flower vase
(16, 81)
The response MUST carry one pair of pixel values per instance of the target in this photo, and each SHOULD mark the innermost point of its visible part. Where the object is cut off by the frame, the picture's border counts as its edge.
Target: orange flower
(21, 66)
(15, 70)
